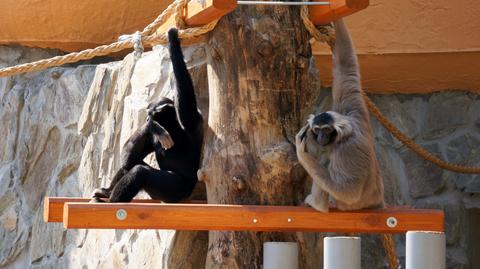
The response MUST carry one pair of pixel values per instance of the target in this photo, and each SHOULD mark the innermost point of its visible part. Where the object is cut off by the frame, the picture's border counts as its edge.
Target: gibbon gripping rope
(326, 34)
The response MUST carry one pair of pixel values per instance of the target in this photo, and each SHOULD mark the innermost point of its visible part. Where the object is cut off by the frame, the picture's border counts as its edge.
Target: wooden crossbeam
(247, 218)
(336, 10)
(197, 13)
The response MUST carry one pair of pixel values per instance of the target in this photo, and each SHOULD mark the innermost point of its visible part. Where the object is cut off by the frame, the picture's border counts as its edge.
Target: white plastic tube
(280, 255)
(341, 252)
(425, 250)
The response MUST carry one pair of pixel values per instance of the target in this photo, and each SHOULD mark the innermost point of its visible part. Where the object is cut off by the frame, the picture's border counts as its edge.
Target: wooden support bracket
(246, 218)
(336, 10)
(197, 13)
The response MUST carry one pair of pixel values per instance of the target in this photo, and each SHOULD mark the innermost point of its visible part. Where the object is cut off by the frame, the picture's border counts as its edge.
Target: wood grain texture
(261, 87)
(336, 10)
(247, 218)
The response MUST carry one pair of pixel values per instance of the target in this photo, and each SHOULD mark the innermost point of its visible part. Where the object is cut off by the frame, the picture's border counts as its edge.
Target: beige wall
(416, 26)
(73, 25)
(414, 45)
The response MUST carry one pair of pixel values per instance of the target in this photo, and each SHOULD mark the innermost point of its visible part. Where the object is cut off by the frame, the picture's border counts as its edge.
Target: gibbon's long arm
(185, 102)
(346, 88)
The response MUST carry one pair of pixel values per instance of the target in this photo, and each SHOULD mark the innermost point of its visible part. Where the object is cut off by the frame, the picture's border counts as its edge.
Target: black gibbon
(174, 131)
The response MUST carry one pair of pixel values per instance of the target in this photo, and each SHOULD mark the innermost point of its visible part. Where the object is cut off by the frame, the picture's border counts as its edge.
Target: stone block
(446, 112)
(424, 178)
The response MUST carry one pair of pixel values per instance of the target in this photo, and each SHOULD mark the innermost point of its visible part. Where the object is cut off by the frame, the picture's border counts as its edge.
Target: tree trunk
(262, 81)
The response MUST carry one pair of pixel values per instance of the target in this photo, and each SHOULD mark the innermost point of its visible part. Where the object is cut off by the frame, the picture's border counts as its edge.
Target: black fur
(181, 120)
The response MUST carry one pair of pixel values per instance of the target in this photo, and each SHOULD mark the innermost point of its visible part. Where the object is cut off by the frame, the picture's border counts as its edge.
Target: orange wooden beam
(246, 218)
(198, 14)
(324, 14)
(53, 206)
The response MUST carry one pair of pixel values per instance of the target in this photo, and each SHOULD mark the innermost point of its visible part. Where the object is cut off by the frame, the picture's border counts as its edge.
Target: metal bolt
(255, 220)
(392, 222)
(121, 214)
(289, 220)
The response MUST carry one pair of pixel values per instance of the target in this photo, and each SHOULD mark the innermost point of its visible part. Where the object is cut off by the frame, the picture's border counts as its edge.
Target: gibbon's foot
(100, 193)
(317, 205)
(97, 200)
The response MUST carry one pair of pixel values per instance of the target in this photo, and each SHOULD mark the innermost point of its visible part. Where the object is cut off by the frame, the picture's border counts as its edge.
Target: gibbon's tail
(185, 101)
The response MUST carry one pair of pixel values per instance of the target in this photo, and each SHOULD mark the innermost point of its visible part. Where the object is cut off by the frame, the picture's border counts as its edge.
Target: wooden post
(261, 86)
(425, 250)
(341, 253)
(280, 255)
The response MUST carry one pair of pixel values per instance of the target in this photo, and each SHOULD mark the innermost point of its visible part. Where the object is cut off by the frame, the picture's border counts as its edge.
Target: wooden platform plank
(53, 206)
(324, 14)
(247, 218)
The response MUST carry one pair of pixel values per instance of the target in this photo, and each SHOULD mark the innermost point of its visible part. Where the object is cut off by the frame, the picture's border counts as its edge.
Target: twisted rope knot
(136, 40)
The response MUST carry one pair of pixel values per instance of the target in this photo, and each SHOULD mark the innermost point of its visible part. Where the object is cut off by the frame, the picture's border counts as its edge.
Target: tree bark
(262, 82)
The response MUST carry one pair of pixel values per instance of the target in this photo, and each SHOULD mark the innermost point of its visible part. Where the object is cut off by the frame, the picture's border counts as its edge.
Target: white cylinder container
(280, 255)
(341, 252)
(425, 250)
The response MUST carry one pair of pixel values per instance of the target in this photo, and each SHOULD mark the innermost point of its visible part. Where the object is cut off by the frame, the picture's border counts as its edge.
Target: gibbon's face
(322, 128)
(161, 111)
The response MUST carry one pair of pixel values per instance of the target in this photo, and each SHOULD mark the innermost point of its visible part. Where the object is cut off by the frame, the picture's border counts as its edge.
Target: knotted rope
(146, 37)
(326, 34)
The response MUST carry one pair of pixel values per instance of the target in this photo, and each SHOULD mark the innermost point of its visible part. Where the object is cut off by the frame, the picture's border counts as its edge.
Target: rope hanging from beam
(326, 34)
(148, 37)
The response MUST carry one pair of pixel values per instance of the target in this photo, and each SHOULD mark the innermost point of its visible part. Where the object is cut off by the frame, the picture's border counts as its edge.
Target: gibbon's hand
(161, 134)
(166, 140)
(300, 140)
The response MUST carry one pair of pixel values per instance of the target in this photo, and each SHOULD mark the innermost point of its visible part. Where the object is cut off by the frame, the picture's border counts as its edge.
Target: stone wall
(62, 133)
(63, 128)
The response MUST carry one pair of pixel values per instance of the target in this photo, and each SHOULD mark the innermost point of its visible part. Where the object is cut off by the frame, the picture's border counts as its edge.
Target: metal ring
(392, 222)
(121, 214)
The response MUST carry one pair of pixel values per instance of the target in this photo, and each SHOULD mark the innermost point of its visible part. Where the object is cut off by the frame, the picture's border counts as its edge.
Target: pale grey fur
(352, 177)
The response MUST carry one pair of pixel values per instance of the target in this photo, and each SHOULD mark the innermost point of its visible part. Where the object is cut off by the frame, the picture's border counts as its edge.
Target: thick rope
(326, 35)
(389, 246)
(148, 37)
(322, 33)
(414, 146)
